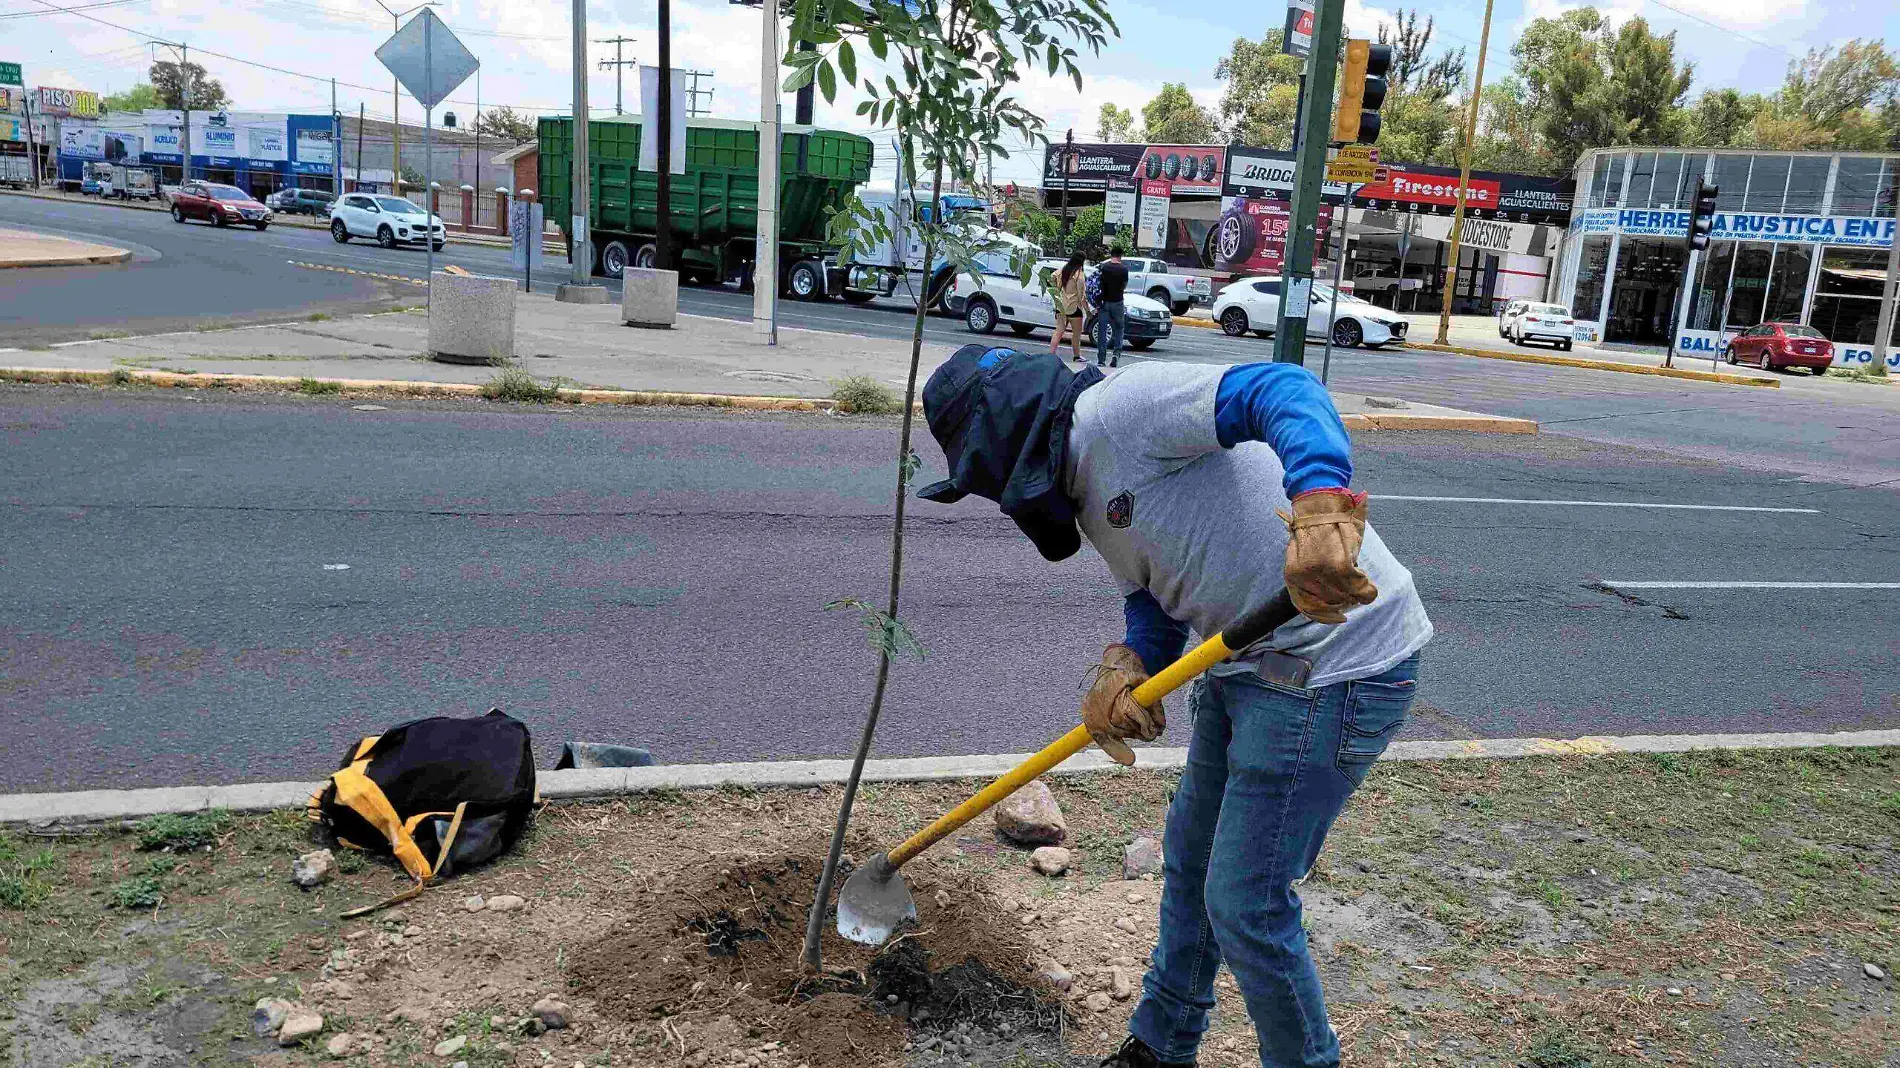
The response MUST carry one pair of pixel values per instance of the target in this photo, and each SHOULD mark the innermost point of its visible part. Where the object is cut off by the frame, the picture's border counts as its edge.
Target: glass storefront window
(1606, 183)
(1883, 200)
(1749, 287)
(1847, 296)
(1731, 177)
(1807, 185)
(1592, 261)
(1788, 283)
(1643, 293)
(1767, 184)
(1712, 290)
(1673, 178)
(1857, 185)
(1642, 178)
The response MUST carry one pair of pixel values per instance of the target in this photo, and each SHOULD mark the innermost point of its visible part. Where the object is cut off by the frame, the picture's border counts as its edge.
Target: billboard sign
(1258, 174)
(1298, 37)
(67, 103)
(12, 128)
(10, 74)
(316, 151)
(1151, 222)
(1118, 205)
(1193, 170)
(1250, 237)
(12, 100)
(1851, 230)
(163, 142)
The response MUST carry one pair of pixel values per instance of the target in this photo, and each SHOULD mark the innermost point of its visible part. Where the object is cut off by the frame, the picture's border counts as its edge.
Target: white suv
(999, 298)
(390, 220)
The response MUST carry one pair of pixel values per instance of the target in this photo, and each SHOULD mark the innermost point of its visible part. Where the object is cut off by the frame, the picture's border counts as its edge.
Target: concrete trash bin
(649, 297)
(471, 318)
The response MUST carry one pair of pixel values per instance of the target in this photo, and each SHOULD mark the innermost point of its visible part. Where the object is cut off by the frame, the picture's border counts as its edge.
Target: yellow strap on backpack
(359, 793)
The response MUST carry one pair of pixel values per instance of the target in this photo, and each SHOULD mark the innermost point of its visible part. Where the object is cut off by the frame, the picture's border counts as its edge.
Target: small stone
(1675, 991)
(1057, 976)
(1027, 918)
(551, 1012)
(1872, 970)
(1050, 860)
(313, 869)
(474, 904)
(1728, 977)
(1141, 857)
(1136, 899)
(1097, 1002)
(531, 1026)
(1118, 984)
(412, 930)
(267, 1018)
(340, 1045)
(299, 1025)
(1126, 925)
(943, 896)
(505, 903)
(1371, 402)
(497, 1022)
(1031, 817)
(449, 1047)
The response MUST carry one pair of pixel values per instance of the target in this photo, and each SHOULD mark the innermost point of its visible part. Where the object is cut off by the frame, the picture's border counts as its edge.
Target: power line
(1732, 32)
(85, 7)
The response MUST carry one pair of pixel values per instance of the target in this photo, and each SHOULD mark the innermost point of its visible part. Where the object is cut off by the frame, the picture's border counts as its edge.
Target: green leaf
(847, 63)
(1055, 59)
(827, 82)
(797, 80)
(880, 45)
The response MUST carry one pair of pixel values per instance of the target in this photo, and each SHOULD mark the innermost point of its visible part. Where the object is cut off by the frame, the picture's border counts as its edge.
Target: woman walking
(1069, 307)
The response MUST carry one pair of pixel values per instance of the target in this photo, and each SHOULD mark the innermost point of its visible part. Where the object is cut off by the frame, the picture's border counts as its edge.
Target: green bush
(21, 885)
(139, 893)
(317, 387)
(179, 832)
(514, 384)
(864, 395)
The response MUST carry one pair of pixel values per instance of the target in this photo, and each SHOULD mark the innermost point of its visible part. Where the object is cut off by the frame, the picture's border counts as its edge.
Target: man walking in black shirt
(1111, 318)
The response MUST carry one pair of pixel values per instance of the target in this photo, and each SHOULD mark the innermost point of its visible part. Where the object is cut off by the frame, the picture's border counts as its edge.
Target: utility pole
(579, 287)
(360, 115)
(184, 110)
(1883, 338)
(805, 102)
(1339, 263)
(32, 142)
(1464, 182)
(765, 255)
(478, 143)
(1068, 157)
(1296, 277)
(618, 64)
(336, 144)
(694, 109)
(395, 97)
(663, 218)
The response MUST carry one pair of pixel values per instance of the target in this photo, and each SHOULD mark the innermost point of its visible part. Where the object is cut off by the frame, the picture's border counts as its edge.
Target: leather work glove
(1110, 710)
(1322, 554)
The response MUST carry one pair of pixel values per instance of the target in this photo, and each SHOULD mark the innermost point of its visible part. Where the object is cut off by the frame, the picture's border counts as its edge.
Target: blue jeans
(1111, 325)
(1268, 769)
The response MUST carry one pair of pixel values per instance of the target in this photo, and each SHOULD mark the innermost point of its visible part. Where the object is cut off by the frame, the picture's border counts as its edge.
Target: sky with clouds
(525, 51)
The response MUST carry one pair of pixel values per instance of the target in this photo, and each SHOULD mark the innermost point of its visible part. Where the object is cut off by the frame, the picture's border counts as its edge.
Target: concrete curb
(575, 785)
(117, 255)
(1196, 322)
(1599, 365)
(367, 387)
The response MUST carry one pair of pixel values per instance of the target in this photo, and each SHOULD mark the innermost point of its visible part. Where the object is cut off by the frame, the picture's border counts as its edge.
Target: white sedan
(392, 221)
(999, 298)
(1253, 304)
(1525, 321)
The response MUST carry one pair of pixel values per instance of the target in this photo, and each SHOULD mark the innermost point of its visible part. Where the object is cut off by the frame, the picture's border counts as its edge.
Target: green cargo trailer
(714, 205)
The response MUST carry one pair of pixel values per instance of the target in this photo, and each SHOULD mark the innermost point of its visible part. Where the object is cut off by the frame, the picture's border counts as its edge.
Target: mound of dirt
(725, 943)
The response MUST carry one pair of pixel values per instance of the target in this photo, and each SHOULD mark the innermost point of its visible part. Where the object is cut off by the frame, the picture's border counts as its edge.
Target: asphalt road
(1825, 429)
(212, 588)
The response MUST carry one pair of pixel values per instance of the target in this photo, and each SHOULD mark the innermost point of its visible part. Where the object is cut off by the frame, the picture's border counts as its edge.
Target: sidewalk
(589, 348)
(1717, 907)
(19, 248)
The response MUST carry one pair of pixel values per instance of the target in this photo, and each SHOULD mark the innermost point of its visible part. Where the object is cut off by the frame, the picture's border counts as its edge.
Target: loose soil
(1567, 912)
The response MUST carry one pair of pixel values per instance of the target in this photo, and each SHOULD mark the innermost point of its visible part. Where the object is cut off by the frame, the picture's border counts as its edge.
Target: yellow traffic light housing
(1361, 92)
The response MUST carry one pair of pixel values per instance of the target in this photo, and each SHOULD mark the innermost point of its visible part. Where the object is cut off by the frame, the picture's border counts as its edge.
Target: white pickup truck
(1156, 280)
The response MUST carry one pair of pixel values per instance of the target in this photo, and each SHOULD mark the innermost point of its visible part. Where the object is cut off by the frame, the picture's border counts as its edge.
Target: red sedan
(223, 205)
(1773, 346)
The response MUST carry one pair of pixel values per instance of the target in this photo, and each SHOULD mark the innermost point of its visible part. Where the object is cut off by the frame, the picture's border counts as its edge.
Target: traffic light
(1361, 93)
(1701, 215)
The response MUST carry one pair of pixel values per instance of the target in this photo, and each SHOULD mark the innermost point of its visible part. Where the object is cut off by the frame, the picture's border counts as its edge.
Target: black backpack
(441, 795)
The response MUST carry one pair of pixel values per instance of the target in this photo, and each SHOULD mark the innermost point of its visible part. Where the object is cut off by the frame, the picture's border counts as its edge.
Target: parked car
(1372, 280)
(222, 205)
(1509, 309)
(390, 220)
(133, 183)
(302, 201)
(1773, 346)
(1531, 321)
(1000, 298)
(1253, 304)
(1158, 281)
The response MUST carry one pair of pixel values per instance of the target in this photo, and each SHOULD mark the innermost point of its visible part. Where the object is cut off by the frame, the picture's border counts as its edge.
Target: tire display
(1235, 237)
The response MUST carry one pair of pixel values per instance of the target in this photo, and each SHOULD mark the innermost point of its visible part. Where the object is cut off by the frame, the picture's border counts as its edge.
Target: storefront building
(1226, 212)
(260, 152)
(1799, 237)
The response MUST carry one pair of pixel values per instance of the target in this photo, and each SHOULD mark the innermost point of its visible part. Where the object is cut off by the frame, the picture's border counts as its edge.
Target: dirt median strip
(1722, 907)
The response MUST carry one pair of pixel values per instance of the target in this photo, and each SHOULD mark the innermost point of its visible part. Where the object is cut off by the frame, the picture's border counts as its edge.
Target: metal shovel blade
(874, 901)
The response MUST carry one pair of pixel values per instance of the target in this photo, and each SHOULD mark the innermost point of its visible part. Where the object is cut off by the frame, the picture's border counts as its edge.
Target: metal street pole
(619, 65)
(184, 109)
(362, 115)
(579, 287)
(1464, 182)
(395, 97)
(765, 256)
(32, 143)
(1068, 157)
(1888, 294)
(428, 161)
(336, 144)
(1339, 262)
(473, 212)
(1296, 277)
(663, 218)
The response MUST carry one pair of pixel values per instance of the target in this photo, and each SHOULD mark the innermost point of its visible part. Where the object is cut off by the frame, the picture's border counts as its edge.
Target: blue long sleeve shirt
(1283, 406)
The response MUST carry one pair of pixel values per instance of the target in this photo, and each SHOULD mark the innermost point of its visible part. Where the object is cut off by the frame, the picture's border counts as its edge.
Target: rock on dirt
(1031, 817)
(474, 904)
(340, 1045)
(505, 903)
(313, 869)
(551, 1013)
(267, 1018)
(1141, 857)
(1127, 925)
(449, 1047)
(1872, 970)
(1097, 1002)
(299, 1025)
(1119, 986)
(1050, 860)
(1057, 976)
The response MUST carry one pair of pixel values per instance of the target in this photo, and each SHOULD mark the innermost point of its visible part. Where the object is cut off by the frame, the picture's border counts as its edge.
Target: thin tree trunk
(814, 926)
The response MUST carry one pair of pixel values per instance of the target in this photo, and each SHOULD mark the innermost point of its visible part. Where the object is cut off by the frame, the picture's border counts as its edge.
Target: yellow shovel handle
(1254, 626)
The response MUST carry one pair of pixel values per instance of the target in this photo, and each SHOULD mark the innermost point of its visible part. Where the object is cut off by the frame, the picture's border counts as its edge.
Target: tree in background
(1721, 118)
(1114, 124)
(1831, 99)
(1420, 119)
(1592, 85)
(1263, 89)
(506, 123)
(1507, 131)
(138, 98)
(168, 80)
(1174, 117)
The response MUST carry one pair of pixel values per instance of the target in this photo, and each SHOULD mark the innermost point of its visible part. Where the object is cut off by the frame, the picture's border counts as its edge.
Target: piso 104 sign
(1852, 230)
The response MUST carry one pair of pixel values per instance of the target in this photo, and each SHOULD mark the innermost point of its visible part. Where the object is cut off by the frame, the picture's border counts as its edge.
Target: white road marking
(1620, 585)
(1597, 504)
(336, 567)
